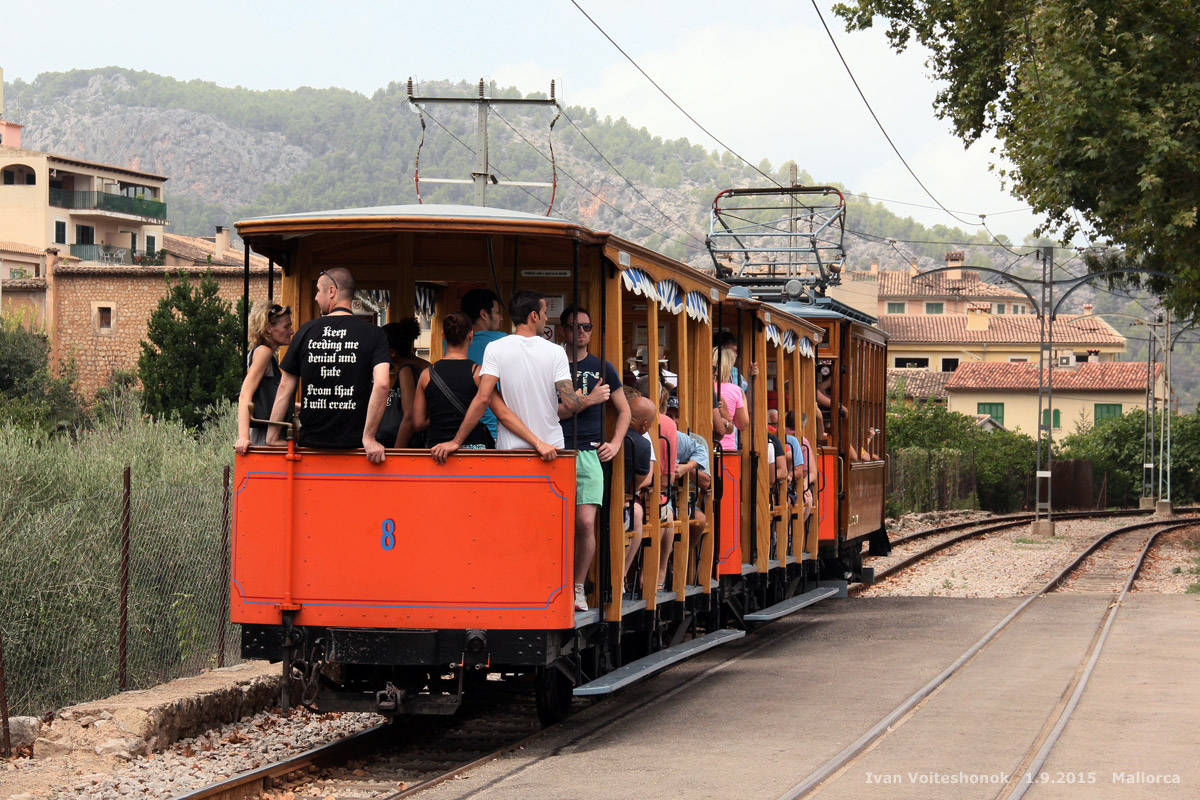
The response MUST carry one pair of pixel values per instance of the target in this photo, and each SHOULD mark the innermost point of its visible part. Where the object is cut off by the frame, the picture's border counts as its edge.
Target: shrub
(192, 359)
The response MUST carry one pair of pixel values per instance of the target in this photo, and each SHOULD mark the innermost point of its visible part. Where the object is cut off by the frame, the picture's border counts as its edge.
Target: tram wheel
(554, 692)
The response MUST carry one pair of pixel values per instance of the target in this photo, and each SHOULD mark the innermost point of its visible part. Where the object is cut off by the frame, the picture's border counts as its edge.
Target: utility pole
(1043, 520)
(482, 174)
(1148, 457)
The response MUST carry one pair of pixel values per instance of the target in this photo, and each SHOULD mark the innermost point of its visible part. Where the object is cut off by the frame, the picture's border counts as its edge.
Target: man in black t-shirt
(342, 363)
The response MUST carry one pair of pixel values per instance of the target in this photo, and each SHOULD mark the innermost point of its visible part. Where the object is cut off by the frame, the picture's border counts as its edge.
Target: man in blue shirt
(483, 307)
(596, 383)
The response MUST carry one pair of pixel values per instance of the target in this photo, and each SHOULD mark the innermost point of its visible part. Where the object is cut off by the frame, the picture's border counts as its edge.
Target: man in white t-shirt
(535, 376)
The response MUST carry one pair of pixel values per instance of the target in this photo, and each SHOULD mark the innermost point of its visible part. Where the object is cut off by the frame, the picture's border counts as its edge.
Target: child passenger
(446, 389)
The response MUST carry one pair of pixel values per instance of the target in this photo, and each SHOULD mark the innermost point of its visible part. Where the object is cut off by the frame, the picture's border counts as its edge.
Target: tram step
(772, 563)
(585, 618)
(792, 604)
(748, 568)
(655, 662)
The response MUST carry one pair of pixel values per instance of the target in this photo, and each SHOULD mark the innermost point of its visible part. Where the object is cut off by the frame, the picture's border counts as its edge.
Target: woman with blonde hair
(732, 396)
(270, 327)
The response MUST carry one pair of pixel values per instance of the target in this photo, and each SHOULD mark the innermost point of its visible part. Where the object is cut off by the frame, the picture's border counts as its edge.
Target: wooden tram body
(852, 464)
(388, 586)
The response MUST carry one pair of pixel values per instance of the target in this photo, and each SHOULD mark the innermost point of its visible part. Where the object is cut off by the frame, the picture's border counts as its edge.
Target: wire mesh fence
(123, 588)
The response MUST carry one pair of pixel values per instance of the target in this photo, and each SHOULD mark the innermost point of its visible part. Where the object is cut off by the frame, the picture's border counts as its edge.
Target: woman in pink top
(732, 394)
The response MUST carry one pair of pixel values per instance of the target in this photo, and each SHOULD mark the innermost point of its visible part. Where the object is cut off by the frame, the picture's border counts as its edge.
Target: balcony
(107, 254)
(103, 201)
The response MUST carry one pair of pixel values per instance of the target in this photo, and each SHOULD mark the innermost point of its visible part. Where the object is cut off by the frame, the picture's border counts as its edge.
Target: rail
(106, 201)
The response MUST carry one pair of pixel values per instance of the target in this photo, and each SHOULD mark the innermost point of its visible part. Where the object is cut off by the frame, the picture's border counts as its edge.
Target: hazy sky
(762, 76)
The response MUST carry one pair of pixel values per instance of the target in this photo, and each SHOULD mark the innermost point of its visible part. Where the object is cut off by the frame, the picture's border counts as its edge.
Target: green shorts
(589, 479)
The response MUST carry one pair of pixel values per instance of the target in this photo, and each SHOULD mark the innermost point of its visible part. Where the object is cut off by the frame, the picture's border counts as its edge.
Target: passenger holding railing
(732, 396)
(535, 375)
(596, 383)
(446, 389)
(270, 328)
(343, 362)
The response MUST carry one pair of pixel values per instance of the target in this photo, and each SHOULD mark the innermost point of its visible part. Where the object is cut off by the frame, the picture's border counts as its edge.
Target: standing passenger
(447, 388)
(343, 363)
(482, 306)
(397, 428)
(535, 373)
(596, 383)
(733, 397)
(270, 328)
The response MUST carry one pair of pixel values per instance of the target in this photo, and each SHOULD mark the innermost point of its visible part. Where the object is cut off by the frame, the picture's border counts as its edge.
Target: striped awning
(697, 306)
(773, 334)
(374, 300)
(426, 300)
(789, 341)
(806, 347)
(639, 282)
(670, 296)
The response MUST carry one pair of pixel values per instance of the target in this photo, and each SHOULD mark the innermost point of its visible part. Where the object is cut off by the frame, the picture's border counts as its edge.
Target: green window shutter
(1106, 411)
(993, 410)
(1057, 417)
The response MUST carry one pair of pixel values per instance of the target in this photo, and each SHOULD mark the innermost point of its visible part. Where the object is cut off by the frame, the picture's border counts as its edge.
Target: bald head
(641, 413)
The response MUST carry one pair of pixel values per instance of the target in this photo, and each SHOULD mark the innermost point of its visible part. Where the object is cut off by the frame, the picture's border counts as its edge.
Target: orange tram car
(396, 587)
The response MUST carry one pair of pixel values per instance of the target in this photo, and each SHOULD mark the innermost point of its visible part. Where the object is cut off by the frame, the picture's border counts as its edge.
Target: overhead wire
(663, 92)
(613, 167)
(576, 181)
(875, 117)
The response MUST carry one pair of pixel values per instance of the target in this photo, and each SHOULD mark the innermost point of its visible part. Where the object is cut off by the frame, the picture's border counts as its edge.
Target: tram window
(907, 362)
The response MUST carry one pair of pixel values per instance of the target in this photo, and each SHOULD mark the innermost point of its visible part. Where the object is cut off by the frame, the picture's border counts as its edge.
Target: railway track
(398, 760)
(391, 760)
(949, 535)
(1118, 554)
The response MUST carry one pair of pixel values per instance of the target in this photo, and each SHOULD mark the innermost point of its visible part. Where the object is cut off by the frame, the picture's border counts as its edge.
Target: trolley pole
(482, 175)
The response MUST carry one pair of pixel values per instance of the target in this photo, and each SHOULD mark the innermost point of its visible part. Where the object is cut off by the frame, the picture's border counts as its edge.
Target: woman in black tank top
(270, 328)
(447, 388)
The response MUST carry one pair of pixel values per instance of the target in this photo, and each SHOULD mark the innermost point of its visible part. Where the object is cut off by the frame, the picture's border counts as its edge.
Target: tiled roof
(1094, 376)
(1002, 329)
(919, 383)
(18, 284)
(18, 247)
(901, 284)
(199, 249)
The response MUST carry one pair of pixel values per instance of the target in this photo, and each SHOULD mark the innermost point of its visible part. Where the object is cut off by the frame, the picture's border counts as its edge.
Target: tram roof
(411, 217)
(826, 308)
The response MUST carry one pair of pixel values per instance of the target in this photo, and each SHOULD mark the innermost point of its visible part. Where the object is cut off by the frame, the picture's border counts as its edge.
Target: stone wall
(101, 315)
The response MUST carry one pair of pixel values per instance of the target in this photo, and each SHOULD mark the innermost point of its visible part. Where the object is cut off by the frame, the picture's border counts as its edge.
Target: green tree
(31, 394)
(193, 357)
(1096, 104)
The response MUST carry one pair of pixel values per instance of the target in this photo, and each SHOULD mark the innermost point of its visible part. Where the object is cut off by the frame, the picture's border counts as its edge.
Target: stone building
(84, 254)
(102, 311)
